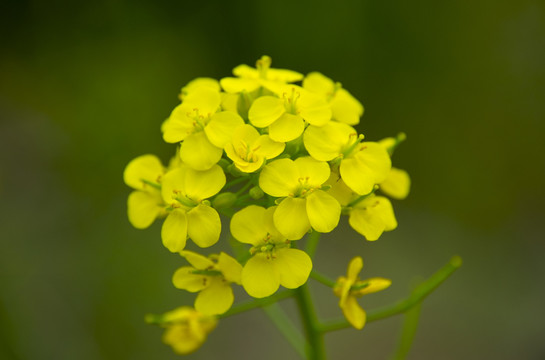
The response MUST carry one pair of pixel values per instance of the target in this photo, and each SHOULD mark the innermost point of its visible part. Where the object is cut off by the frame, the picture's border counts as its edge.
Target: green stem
(257, 303)
(244, 188)
(419, 294)
(312, 243)
(408, 331)
(235, 181)
(315, 347)
(322, 279)
(286, 327)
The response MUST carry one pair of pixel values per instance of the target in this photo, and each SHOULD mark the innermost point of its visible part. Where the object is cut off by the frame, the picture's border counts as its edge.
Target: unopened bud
(256, 193)
(224, 200)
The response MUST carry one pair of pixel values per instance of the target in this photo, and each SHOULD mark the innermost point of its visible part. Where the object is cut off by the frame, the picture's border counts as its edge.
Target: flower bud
(224, 200)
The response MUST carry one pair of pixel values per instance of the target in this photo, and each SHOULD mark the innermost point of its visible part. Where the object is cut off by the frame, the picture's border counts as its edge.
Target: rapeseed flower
(350, 287)
(186, 190)
(273, 262)
(186, 329)
(210, 276)
(362, 164)
(305, 204)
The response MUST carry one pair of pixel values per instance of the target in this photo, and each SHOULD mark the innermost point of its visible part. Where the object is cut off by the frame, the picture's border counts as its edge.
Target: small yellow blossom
(305, 204)
(273, 262)
(350, 287)
(202, 130)
(186, 190)
(397, 184)
(344, 107)
(186, 329)
(250, 79)
(145, 204)
(210, 276)
(372, 216)
(249, 150)
(362, 165)
(286, 116)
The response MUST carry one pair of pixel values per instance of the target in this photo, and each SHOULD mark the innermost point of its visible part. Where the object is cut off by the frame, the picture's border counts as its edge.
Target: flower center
(290, 101)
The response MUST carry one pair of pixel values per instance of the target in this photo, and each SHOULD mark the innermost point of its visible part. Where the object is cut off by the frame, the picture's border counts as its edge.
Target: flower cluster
(281, 160)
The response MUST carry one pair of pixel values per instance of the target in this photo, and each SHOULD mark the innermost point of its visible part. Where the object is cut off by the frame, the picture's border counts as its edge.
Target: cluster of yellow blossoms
(281, 160)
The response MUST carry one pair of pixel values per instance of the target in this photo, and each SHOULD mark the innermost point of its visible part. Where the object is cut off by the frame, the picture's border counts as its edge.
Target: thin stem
(322, 279)
(312, 243)
(244, 188)
(257, 303)
(410, 324)
(417, 295)
(315, 348)
(286, 327)
(235, 181)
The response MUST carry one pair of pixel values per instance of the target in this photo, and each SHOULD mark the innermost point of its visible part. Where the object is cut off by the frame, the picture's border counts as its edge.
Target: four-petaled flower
(305, 204)
(274, 262)
(186, 329)
(191, 215)
(349, 287)
(210, 276)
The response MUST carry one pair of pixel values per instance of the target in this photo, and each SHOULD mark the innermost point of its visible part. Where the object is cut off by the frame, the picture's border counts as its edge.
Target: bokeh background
(84, 87)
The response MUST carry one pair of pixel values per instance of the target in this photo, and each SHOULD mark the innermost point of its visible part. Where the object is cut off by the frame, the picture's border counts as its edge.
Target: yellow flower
(191, 215)
(344, 107)
(249, 79)
(350, 287)
(198, 83)
(186, 329)
(144, 205)
(273, 262)
(286, 116)
(211, 277)
(362, 165)
(248, 149)
(202, 129)
(305, 205)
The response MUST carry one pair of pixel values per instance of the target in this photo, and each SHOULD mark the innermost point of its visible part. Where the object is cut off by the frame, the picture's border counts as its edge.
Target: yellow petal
(376, 158)
(216, 299)
(327, 142)
(236, 85)
(283, 75)
(210, 83)
(268, 148)
(230, 268)
(204, 225)
(286, 128)
(245, 71)
(247, 225)
(204, 99)
(265, 110)
(318, 83)
(367, 222)
(314, 109)
(173, 183)
(143, 208)
(143, 168)
(316, 171)
(354, 313)
(397, 184)
(259, 276)
(294, 267)
(346, 108)
(198, 261)
(179, 125)
(354, 268)
(221, 127)
(291, 219)
(199, 153)
(200, 185)
(375, 284)
(357, 176)
(184, 279)
(323, 211)
(279, 178)
(174, 231)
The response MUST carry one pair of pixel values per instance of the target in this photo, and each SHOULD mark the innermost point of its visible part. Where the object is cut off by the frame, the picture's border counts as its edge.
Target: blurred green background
(84, 87)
